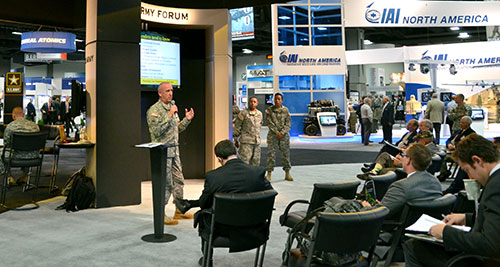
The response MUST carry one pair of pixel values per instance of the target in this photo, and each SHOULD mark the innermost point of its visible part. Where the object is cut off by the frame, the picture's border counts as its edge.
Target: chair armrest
(287, 209)
(461, 259)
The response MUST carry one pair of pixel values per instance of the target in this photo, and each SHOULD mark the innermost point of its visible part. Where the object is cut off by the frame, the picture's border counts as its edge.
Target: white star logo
(13, 80)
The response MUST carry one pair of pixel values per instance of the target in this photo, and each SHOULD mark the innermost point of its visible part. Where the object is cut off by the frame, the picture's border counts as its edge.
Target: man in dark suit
(387, 119)
(418, 185)
(30, 111)
(66, 115)
(452, 142)
(480, 158)
(234, 176)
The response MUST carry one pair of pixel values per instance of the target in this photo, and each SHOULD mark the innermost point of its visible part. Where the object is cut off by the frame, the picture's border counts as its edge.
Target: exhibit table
(158, 159)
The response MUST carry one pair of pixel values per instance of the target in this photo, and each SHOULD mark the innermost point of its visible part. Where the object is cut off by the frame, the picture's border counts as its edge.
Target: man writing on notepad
(481, 160)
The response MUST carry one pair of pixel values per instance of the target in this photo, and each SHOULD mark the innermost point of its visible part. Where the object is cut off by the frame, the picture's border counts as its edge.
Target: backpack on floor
(81, 195)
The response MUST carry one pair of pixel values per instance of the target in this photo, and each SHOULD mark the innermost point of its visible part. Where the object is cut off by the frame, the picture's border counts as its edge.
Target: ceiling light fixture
(322, 28)
(463, 35)
(17, 33)
(78, 40)
(284, 17)
(80, 50)
(247, 51)
(367, 42)
(455, 28)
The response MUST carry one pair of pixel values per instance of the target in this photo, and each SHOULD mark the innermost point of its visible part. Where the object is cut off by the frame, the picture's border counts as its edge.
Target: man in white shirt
(366, 120)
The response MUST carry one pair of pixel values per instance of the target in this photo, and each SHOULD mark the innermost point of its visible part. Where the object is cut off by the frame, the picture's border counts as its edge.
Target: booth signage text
(14, 83)
(48, 42)
(369, 13)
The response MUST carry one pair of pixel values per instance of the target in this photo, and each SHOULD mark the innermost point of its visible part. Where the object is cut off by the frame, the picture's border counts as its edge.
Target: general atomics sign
(297, 60)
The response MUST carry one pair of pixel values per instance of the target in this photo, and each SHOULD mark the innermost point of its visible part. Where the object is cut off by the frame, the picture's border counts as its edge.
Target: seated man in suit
(385, 162)
(418, 185)
(452, 142)
(407, 139)
(480, 158)
(18, 125)
(425, 125)
(234, 176)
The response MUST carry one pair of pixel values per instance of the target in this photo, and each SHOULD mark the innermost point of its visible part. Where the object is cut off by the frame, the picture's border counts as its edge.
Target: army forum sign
(14, 83)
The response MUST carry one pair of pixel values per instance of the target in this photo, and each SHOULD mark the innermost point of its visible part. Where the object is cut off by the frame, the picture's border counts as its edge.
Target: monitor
(242, 24)
(477, 114)
(445, 97)
(160, 60)
(426, 96)
(327, 120)
(269, 99)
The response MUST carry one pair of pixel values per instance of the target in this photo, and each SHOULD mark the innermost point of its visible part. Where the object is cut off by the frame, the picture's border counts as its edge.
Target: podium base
(163, 239)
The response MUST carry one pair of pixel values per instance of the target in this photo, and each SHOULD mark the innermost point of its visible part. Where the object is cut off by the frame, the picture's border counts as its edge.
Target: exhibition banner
(182, 16)
(411, 13)
(309, 60)
(48, 42)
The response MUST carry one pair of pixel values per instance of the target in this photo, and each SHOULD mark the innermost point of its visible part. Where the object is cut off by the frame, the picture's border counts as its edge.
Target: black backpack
(82, 193)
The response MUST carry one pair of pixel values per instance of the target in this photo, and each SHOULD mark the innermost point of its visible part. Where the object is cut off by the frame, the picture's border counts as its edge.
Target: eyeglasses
(403, 155)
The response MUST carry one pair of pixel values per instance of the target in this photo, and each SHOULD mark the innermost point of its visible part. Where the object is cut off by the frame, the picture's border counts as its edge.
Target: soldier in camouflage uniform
(18, 125)
(456, 113)
(246, 133)
(164, 127)
(278, 120)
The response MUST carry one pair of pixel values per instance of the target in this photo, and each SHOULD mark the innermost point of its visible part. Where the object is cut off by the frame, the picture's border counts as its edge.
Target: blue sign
(48, 42)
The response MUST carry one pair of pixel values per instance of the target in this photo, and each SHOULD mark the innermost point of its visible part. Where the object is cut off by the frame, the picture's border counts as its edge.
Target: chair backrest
(53, 131)
(28, 141)
(325, 191)
(244, 209)
(435, 164)
(348, 232)
(382, 183)
(434, 208)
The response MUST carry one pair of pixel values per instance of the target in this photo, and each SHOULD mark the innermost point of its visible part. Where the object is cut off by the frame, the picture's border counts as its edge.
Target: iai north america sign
(410, 13)
(308, 60)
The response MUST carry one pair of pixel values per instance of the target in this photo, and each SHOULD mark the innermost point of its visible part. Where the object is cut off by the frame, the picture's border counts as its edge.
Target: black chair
(472, 260)
(320, 194)
(24, 142)
(242, 210)
(435, 165)
(343, 233)
(382, 183)
(410, 214)
(53, 133)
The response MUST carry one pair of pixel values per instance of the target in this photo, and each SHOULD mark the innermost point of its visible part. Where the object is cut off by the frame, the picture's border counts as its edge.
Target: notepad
(425, 222)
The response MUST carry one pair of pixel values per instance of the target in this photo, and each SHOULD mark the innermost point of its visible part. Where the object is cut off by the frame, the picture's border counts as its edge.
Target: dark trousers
(437, 131)
(362, 131)
(450, 124)
(387, 130)
(366, 131)
(67, 124)
(419, 253)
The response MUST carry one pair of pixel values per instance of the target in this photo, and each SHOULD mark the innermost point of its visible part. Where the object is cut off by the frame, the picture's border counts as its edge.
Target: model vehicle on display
(311, 123)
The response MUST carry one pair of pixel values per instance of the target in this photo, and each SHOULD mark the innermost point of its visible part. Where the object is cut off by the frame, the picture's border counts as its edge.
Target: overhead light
(424, 68)
(455, 28)
(463, 35)
(453, 70)
(304, 39)
(78, 40)
(247, 51)
(17, 33)
(367, 42)
(284, 17)
(411, 67)
(80, 50)
(322, 28)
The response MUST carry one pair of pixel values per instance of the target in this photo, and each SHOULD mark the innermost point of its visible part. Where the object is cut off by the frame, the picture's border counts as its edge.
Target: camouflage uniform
(166, 129)
(20, 125)
(457, 113)
(278, 120)
(247, 128)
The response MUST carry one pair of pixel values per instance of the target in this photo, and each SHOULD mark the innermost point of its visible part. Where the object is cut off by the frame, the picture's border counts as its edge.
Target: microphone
(175, 113)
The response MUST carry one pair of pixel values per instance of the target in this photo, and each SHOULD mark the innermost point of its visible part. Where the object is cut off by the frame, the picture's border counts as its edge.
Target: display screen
(426, 97)
(160, 60)
(327, 120)
(269, 99)
(445, 97)
(242, 23)
(477, 114)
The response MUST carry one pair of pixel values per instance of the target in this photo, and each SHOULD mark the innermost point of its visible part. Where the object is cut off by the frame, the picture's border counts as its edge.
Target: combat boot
(179, 215)
(168, 221)
(288, 177)
(268, 176)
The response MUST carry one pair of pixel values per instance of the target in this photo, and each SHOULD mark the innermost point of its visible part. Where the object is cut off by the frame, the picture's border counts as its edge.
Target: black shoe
(367, 165)
(364, 176)
(381, 142)
(182, 205)
(366, 169)
(443, 176)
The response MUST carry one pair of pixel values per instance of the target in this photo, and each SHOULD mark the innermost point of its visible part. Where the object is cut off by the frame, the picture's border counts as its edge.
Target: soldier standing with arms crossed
(246, 133)
(164, 127)
(278, 120)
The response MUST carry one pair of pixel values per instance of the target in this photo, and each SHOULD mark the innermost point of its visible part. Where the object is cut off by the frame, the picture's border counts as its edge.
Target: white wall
(389, 68)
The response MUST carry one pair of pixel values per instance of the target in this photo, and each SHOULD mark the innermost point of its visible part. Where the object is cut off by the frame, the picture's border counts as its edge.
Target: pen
(445, 218)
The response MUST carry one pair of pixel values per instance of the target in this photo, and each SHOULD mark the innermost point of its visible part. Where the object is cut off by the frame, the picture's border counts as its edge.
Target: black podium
(158, 158)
